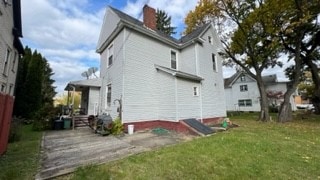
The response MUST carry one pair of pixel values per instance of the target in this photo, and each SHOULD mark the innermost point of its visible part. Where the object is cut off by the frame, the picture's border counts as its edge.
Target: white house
(10, 45)
(10, 51)
(242, 93)
(158, 79)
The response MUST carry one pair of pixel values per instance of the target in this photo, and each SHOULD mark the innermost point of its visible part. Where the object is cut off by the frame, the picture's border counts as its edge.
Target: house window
(110, 55)
(214, 62)
(173, 60)
(10, 88)
(195, 91)
(3, 87)
(6, 62)
(210, 39)
(14, 62)
(243, 88)
(243, 78)
(109, 95)
(245, 102)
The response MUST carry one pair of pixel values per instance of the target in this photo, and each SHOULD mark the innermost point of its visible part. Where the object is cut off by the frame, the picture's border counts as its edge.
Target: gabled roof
(269, 79)
(96, 82)
(179, 74)
(130, 22)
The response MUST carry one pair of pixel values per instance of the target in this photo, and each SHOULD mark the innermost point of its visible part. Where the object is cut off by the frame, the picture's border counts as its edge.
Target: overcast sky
(66, 31)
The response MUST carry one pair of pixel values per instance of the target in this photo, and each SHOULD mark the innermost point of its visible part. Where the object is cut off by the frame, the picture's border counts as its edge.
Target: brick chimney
(149, 17)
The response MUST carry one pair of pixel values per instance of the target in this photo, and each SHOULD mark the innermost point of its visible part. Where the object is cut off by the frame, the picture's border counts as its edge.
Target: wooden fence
(6, 107)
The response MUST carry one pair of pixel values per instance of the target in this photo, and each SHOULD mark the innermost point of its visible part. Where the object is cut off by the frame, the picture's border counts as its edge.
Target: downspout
(200, 87)
(123, 70)
(176, 97)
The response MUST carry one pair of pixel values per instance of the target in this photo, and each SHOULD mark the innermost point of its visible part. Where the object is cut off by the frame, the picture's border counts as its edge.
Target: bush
(43, 119)
(15, 130)
(117, 127)
(273, 109)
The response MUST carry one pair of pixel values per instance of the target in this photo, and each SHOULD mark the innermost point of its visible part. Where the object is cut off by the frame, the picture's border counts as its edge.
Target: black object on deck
(199, 126)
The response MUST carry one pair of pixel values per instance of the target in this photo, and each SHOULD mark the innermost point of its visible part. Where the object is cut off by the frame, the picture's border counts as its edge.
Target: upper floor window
(3, 87)
(195, 91)
(210, 39)
(173, 60)
(110, 55)
(16, 56)
(243, 87)
(214, 62)
(242, 78)
(6, 62)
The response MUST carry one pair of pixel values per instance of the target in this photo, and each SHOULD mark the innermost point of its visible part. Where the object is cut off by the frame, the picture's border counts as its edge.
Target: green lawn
(255, 150)
(22, 158)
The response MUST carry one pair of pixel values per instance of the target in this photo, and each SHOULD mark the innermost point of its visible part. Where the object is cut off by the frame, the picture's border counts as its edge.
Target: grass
(22, 158)
(255, 150)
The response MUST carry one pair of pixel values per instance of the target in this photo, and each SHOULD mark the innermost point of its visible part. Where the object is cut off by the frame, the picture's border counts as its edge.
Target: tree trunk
(285, 108)
(316, 80)
(264, 104)
(285, 113)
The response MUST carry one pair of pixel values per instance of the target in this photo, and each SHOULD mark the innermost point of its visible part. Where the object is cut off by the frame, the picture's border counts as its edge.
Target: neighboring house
(158, 79)
(242, 93)
(10, 45)
(10, 51)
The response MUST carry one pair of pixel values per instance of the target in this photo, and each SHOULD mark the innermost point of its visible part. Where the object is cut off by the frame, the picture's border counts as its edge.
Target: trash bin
(67, 123)
(130, 129)
(58, 124)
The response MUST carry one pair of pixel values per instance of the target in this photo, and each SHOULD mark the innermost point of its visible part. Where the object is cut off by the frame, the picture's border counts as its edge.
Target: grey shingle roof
(269, 79)
(96, 82)
(179, 74)
(185, 39)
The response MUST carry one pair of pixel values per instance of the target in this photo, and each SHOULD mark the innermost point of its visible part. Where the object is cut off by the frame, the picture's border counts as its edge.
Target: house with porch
(242, 93)
(152, 79)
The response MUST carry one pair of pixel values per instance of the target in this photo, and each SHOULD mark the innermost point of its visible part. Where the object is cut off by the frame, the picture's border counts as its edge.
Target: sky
(66, 32)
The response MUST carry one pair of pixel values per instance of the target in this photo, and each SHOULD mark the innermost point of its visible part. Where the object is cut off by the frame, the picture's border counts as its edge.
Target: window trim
(210, 40)
(6, 62)
(196, 92)
(110, 53)
(108, 99)
(214, 62)
(15, 59)
(243, 88)
(176, 59)
(243, 78)
(245, 102)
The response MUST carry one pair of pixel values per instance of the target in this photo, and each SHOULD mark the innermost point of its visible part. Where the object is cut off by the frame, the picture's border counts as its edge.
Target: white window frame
(108, 104)
(6, 62)
(242, 78)
(195, 91)
(245, 102)
(214, 62)
(110, 54)
(176, 59)
(13, 68)
(243, 88)
(210, 40)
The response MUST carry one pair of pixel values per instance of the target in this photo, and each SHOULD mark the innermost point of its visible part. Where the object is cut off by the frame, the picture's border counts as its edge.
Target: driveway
(65, 150)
